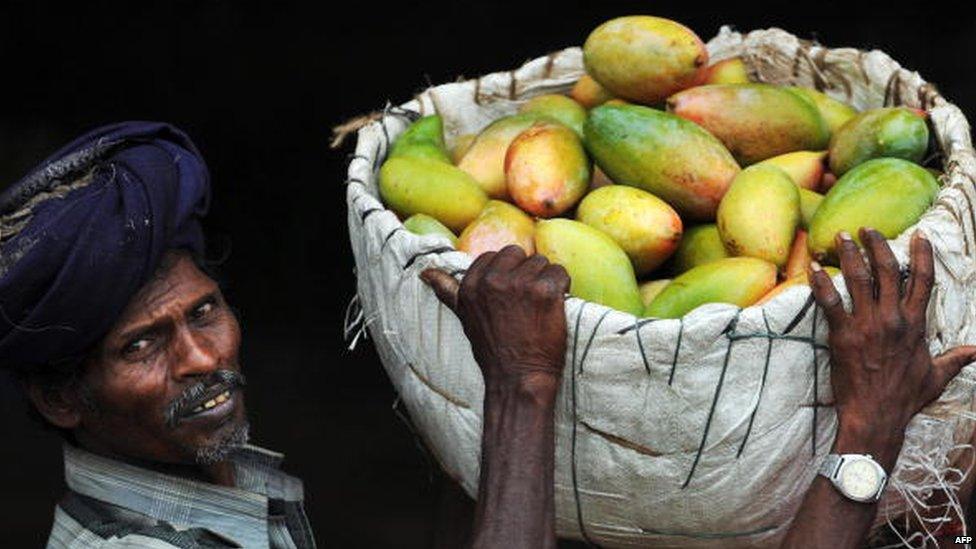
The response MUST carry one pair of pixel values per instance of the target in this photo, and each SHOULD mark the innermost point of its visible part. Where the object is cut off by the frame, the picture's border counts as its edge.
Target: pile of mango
(662, 182)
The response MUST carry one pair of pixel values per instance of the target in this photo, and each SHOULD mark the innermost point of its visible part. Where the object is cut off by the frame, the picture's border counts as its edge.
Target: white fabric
(626, 438)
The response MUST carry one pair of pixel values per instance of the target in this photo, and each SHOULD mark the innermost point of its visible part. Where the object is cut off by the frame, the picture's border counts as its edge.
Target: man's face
(164, 383)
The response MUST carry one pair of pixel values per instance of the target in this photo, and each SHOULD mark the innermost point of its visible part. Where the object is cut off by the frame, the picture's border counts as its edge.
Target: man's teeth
(219, 399)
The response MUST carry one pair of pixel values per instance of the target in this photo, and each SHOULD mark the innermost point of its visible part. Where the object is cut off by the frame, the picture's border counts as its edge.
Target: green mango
(809, 202)
(644, 59)
(651, 288)
(835, 113)
(599, 269)
(644, 226)
(485, 157)
(665, 155)
(886, 194)
(497, 226)
(560, 108)
(893, 132)
(759, 214)
(755, 121)
(422, 139)
(424, 224)
(420, 185)
(699, 245)
(737, 280)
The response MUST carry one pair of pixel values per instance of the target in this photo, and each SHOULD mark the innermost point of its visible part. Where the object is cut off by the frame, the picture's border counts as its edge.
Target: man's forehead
(176, 279)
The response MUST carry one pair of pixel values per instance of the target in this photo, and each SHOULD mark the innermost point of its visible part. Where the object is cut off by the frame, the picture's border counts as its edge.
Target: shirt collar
(239, 513)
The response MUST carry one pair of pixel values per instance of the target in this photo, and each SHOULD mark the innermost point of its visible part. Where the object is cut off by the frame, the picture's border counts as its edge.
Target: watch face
(860, 479)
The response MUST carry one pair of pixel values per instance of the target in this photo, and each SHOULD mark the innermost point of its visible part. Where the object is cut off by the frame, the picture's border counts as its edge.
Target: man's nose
(196, 354)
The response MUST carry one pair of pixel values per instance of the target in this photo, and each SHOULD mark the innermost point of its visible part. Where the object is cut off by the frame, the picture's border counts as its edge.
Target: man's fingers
(507, 258)
(884, 268)
(921, 277)
(946, 366)
(444, 286)
(559, 276)
(856, 274)
(532, 266)
(827, 296)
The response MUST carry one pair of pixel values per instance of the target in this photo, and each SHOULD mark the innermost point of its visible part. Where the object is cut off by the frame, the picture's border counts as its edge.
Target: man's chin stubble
(220, 449)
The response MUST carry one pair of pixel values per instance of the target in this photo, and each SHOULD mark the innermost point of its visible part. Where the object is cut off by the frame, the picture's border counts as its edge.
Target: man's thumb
(444, 286)
(947, 365)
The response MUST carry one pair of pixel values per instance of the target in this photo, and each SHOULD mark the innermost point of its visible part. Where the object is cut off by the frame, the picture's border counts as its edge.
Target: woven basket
(700, 432)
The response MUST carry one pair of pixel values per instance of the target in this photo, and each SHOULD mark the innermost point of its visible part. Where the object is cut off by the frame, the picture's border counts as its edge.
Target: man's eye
(203, 310)
(136, 346)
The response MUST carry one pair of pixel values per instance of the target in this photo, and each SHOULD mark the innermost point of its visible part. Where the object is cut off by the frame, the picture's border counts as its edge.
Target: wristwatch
(857, 476)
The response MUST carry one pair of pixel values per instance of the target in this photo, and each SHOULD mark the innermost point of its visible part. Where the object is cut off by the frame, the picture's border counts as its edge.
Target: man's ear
(61, 405)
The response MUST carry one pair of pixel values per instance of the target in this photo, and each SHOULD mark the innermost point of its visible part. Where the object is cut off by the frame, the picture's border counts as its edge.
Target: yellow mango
(700, 244)
(644, 59)
(759, 214)
(645, 227)
(809, 202)
(755, 121)
(497, 226)
(424, 224)
(600, 271)
(410, 186)
(560, 108)
(651, 288)
(547, 169)
(727, 71)
(805, 168)
(663, 154)
(835, 113)
(485, 158)
(461, 145)
(589, 93)
(736, 280)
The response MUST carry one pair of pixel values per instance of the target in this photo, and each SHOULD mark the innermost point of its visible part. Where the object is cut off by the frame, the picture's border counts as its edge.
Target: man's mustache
(219, 381)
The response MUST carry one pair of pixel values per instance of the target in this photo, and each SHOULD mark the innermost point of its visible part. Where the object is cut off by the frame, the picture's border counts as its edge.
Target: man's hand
(881, 370)
(881, 374)
(512, 311)
(511, 308)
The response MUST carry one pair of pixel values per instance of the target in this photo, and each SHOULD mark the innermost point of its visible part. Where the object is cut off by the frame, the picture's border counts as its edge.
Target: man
(127, 347)
(881, 370)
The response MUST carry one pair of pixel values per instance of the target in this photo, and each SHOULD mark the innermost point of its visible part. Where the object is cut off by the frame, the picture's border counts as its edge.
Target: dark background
(258, 89)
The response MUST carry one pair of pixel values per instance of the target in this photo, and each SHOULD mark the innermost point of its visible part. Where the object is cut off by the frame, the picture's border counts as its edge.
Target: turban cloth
(84, 231)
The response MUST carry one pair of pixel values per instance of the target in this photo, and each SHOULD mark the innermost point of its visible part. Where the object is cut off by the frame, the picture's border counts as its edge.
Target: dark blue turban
(86, 229)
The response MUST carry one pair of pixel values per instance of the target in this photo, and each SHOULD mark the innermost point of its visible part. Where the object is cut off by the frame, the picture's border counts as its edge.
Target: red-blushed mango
(755, 121)
(736, 280)
(645, 227)
(727, 71)
(422, 139)
(699, 245)
(485, 157)
(805, 168)
(461, 145)
(424, 224)
(894, 132)
(547, 169)
(799, 256)
(560, 108)
(759, 214)
(497, 226)
(644, 59)
(835, 113)
(827, 182)
(651, 288)
(599, 270)
(589, 93)
(419, 185)
(667, 156)
(809, 202)
(801, 279)
(886, 194)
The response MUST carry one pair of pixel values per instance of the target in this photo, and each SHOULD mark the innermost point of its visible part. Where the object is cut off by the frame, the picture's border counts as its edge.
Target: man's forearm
(826, 518)
(515, 500)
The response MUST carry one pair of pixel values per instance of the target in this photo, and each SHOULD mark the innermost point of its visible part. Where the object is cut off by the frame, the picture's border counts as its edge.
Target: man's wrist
(533, 387)
(882, 442)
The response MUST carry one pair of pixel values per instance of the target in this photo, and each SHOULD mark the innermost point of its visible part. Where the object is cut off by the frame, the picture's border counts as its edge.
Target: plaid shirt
(113, 504)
